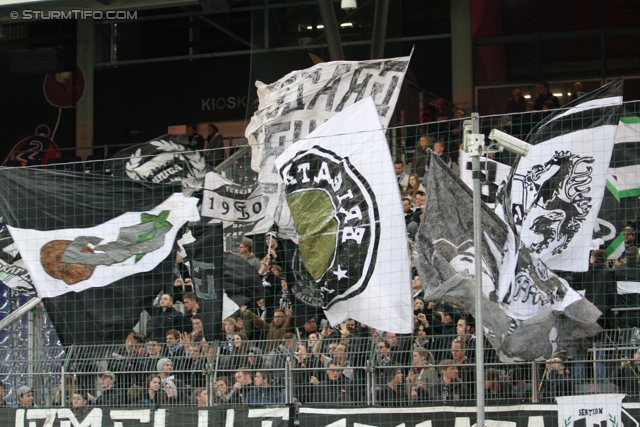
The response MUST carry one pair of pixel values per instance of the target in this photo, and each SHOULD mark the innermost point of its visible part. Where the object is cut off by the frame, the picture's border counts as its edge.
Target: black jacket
(599, 284)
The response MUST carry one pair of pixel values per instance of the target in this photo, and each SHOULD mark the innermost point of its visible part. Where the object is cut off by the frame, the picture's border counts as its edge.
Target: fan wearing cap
(629, 234)
(25, 397)
(110, 395)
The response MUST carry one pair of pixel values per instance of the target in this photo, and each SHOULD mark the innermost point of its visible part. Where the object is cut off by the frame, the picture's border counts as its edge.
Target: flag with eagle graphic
(98, 249)
(554, 193)
(341, 189)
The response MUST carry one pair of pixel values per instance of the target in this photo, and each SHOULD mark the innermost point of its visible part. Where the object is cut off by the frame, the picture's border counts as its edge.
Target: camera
(349, 5)
(510, 143)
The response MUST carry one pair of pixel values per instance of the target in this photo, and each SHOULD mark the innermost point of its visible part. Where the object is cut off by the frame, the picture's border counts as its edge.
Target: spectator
(200, 396)
(195, 364)
(406, 208)
(516, 102)
(628, 280)
(494, 388)
(383, 358)
(223, 392)
(423, 336)
(414, 185)
(545, 95)
(416, 287)
(254, 358)
(466, 373)
(334, 389)
(239, 353)
(154, 392)
(420, 157)
(439, 148)
(25, 397)
(310, 327)
(401, 176)
(154, 353)
(422, 375)
(282, 323)
(192, 308)
(433, 112)
(245, 249)
(172, 395)
(577, 91)
(215, 143)
(175, 350)
(628, 375)
(264, 392)
(79, 399)
(557, 381)
(242, 386)
(164, 317)
(629, 234)
(197, 333)
(165, 371)
(110, 396)
(399, 348)
(465, 328)
(599, 286)
(277, 358)
(449, 388)
(393, 393)
(70, 389)
(196, 141)
(286, 298)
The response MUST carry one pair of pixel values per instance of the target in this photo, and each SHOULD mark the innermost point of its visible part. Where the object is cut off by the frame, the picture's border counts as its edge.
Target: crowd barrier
(361, 376)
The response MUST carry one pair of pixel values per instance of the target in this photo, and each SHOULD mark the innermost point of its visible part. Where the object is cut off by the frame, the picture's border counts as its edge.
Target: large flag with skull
(298, 103)
(341, 189)
(98, 249)
(536, 314)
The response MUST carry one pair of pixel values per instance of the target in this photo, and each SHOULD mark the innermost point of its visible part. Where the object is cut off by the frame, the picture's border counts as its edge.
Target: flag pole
(474, 146)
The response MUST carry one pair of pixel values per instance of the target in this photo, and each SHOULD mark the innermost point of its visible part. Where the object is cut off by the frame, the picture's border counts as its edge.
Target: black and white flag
(301, 101)
(343, 194)
(230, 203)
(168, 158)
(554, 193)
(493, 173)
(97, 248)
(538, 313)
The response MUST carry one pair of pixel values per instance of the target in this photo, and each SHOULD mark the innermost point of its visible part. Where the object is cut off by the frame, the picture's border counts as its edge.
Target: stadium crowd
(266, 358)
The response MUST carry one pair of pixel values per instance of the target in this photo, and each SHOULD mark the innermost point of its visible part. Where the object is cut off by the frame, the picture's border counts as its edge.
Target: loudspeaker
(215, 6)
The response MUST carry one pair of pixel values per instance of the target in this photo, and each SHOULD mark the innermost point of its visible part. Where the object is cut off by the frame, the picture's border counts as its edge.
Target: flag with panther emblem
(353, 258)
(98, 249)
(554, 193)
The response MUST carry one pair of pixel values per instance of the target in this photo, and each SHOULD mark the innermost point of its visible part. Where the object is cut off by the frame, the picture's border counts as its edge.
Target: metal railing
(361, 377)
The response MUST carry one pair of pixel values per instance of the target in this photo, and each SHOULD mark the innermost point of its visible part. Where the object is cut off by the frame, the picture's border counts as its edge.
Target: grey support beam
(380, 19)
(331, 30)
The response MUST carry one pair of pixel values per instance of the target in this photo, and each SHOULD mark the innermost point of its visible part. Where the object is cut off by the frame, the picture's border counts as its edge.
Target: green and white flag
(621, 197)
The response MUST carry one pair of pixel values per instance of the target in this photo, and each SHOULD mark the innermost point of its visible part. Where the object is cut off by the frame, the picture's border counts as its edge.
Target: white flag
(343, 194)
(301, 101)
